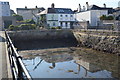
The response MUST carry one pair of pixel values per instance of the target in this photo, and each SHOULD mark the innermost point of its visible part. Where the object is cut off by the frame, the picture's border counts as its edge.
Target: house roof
(58, 11)
(41, 8)
(94, 7)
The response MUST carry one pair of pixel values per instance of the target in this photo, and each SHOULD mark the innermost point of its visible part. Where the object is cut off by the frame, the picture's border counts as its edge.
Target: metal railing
(18, 68)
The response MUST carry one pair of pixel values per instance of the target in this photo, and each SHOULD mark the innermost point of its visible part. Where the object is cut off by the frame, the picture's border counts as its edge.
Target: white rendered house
(93, 16)
(59, 17)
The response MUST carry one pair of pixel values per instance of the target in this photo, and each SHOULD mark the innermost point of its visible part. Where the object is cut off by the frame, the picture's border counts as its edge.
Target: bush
(27, 26)
(104, 17)
(55, 27)
(58, 27)
(12, 27)
(110, 18)
(31, 21)
(23, 27)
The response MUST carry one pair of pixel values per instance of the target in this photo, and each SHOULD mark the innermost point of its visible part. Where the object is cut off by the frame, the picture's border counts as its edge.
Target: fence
(19, 71)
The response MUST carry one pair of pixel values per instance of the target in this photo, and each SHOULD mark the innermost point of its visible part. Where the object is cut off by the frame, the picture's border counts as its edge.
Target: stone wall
(107, 41)
(103, 41)
(40, 34)
(81, 25)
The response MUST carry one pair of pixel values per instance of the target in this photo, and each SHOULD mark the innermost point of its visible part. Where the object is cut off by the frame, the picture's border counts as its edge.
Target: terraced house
(58, 17)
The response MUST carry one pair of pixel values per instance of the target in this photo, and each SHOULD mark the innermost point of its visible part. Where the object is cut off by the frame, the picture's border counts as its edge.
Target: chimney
(52, 5)
(36, 7)
(87, 6)
(79, 8)
(25, 7)
(83, 8)
(104, 5)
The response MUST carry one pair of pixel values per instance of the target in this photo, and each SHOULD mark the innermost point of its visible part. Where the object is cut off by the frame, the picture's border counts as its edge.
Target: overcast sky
(73, 4)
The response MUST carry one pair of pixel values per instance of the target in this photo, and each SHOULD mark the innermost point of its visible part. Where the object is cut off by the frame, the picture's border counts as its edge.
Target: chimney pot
(52, 5)
(36, 7)
(104, 5)
(25, 7)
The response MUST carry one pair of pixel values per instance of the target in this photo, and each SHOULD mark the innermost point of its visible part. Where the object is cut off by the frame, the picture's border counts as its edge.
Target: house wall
(52, 23)
(4, 9)
(83, 16)
(92, 16)
(66, 17)
(55, 20)
(52, 20)
(27, 14)
(95, 16)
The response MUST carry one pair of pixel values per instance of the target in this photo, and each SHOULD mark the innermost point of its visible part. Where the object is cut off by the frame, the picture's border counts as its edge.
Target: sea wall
(40, 34)
(107, 41)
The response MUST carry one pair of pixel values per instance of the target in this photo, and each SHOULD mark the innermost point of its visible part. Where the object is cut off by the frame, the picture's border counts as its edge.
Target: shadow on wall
(45, 43)
(2, 39)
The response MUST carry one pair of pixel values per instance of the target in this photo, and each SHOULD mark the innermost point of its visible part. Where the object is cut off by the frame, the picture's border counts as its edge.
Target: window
(71, 15)
(60, 15)
(66, 24)
(53, 23)
(65, 15)
(61, 24)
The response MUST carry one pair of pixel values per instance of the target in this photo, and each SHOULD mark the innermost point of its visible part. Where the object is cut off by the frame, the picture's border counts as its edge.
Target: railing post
(20, 72)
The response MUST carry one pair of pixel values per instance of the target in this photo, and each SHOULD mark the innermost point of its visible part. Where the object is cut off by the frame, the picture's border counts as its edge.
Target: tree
(18, 17)
(110, 18)
(104, 17)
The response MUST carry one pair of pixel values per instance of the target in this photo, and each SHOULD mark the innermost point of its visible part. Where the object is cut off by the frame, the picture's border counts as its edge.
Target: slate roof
(94, 7)
(41, 8)
(58, 11)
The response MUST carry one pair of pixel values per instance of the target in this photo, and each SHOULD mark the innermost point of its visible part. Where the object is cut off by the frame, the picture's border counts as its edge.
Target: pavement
(5, 70)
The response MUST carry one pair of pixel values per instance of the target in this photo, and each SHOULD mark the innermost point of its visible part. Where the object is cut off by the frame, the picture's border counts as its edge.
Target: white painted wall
(52, 20)
(57, 19)
(4, 8)
(66, 17)
(95, 16)
(83, 16)
(92, 16)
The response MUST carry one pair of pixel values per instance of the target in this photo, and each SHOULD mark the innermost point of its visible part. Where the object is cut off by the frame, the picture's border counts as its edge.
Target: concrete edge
(9, 70)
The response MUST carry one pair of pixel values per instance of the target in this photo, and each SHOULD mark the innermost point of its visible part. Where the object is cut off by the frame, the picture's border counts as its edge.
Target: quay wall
(40, 34)
(106, 41)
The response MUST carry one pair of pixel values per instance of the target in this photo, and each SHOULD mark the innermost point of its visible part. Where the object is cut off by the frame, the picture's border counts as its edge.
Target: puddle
(70, 62)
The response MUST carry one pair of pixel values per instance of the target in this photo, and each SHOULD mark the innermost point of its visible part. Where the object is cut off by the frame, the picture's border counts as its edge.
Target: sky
(73, 4)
